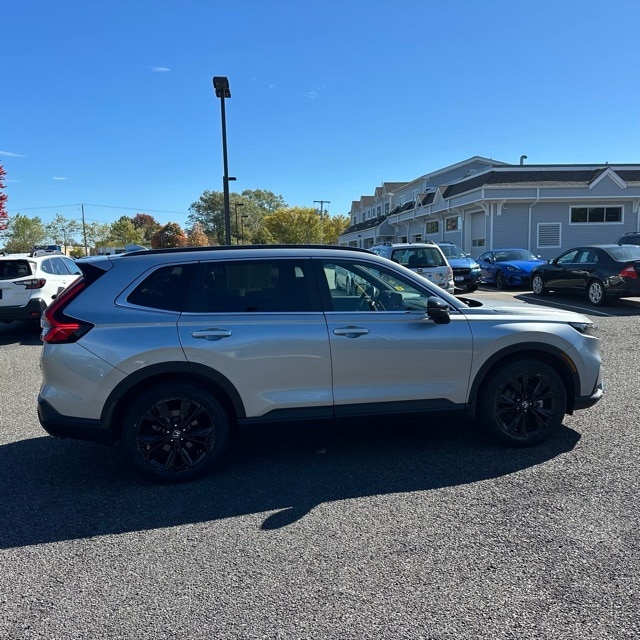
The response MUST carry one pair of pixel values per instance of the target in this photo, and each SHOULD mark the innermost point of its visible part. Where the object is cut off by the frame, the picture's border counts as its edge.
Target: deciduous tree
(62, 230)
(123, 232)
(147, 223)
(4, 214)
(197, 236)
(294, 225)
(23, 233)
(171, 235)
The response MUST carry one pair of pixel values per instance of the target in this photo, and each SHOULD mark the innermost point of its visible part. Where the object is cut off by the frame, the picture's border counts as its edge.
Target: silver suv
(169, 351)
(30, 281)
(425, 258)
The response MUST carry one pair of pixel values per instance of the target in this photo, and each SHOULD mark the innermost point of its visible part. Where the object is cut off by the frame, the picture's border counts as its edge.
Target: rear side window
(10, 269)
(166, 288)
(253, 286)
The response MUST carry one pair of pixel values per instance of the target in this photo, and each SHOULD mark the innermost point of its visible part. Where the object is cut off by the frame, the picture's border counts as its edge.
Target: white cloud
(58, 178)
(8, 154)
(314, 93)
(160, 69)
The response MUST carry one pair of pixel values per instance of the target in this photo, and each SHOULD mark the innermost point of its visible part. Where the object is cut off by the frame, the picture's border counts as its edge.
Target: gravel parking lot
(385, 531)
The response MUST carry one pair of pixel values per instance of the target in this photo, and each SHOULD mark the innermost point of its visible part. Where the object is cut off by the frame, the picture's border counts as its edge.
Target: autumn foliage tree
(4, 215)
(197, 236)
(147, 224)
(171, 235)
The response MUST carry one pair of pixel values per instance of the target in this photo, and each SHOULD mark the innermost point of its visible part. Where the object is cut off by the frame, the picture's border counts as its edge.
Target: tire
(596, 293)
(501, 281)
(537, 286)
(175, 432)
(522, 403)
(472, 287)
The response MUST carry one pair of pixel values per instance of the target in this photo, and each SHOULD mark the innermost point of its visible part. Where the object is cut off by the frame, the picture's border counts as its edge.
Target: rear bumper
(61, 426)
(31, 311)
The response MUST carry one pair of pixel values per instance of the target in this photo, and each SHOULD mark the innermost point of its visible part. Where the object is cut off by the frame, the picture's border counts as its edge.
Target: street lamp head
(221, 85)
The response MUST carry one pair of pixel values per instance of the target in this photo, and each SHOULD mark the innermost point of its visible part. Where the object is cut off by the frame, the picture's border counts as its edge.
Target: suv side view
(169, 351)
(30, 282)
(424, 258)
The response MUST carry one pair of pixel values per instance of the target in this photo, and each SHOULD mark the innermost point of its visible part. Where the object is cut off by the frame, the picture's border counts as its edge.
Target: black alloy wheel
(175, 432)
(523, 403)
(501, 281)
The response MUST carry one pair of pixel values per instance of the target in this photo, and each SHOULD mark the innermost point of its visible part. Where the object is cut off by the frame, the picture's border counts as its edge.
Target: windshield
(509, 255)
(452, 251)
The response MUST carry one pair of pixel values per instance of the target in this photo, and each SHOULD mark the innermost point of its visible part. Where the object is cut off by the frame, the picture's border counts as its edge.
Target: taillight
(629, 272)
(59, 328)
(34, 283)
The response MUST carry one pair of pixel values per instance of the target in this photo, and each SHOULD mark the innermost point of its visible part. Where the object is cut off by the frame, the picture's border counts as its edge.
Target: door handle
(351, 332)
(211, 334)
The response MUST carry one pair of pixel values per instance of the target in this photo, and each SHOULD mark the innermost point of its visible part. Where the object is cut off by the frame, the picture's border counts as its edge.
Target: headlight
(513, 269)
(586, 328)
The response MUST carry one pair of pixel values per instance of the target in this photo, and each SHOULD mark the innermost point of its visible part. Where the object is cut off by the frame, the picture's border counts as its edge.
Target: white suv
(29, 282)
(170, 350)
(424, 258)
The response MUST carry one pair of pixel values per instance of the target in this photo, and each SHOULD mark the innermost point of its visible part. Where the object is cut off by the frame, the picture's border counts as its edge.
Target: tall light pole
(236, 205)
(244, 215)
(221, 86)
(322, 203)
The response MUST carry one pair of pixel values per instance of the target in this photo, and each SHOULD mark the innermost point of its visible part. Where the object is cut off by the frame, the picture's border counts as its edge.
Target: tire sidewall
(151, 397)
(497, 379)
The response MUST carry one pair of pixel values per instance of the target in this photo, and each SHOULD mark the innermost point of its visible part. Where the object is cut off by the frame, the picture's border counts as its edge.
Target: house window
(378, 211)
(580, 215)
(386, 208)
(478, 242)
(432, 226)
(403, 238)
(452, 223)
(549, 235)
(417, 237)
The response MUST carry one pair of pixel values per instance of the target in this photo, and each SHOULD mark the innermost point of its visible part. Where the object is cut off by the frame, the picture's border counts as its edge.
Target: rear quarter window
(166, 288)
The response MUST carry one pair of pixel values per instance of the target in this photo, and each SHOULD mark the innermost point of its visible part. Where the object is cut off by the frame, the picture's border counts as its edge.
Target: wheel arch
(554, 357)
(164, 374)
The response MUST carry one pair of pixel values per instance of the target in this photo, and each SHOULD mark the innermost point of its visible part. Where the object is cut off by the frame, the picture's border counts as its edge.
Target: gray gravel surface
(386, 531)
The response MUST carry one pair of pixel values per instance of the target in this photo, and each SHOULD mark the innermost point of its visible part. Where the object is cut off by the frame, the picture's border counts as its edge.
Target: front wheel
(522, 403)
(537, 284)
(596, 293)
(175, 432)
(501, 281)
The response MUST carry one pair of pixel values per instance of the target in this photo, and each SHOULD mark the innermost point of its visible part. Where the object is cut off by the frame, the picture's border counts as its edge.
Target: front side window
(355, 286)
(569, 257)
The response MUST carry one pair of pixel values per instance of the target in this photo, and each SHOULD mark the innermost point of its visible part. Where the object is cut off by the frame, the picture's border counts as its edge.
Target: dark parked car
(629, 238)
(466, 271)
(602, 271)
(508, 267)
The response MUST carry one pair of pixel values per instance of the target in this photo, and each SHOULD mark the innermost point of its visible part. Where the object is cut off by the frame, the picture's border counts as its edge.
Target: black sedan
(603, 272)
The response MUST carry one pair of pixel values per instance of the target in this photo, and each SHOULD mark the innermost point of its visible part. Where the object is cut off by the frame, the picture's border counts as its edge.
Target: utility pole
(322, 203)
(84, 232)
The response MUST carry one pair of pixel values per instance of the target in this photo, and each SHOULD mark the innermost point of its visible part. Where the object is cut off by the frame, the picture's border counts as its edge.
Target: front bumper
(584, 402)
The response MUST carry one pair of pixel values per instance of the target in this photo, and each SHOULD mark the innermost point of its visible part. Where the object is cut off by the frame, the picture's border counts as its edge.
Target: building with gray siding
(483, 204)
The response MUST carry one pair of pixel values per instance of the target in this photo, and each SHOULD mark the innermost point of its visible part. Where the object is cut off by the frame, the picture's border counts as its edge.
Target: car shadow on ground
(61, 489)
(26, 333)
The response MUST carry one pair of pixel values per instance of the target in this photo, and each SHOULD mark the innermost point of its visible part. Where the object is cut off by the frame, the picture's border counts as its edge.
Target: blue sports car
(508, 267)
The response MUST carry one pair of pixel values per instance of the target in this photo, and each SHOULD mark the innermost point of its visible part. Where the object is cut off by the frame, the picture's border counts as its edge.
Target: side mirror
(438, 310)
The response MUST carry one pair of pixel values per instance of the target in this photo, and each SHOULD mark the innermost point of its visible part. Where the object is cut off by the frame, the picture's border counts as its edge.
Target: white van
(426, 259)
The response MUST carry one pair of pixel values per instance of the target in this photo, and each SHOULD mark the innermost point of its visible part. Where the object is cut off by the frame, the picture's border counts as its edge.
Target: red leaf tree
(4, 215)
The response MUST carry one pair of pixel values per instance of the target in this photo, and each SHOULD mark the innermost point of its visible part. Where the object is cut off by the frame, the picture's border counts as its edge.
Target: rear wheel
(522, 403)
(537, 285)
(596, 293)
(175, 432)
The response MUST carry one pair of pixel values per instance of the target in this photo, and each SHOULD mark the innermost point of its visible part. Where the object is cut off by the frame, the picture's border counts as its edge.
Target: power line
(87, 204)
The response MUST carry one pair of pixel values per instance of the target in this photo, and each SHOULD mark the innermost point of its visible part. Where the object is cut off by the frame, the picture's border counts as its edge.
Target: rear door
(258, 325)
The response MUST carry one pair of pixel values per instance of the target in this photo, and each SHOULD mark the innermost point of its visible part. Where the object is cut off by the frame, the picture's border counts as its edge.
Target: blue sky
(110, 102)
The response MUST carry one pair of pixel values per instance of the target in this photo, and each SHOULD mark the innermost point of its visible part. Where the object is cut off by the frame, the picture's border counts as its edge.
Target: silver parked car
(169, 351)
